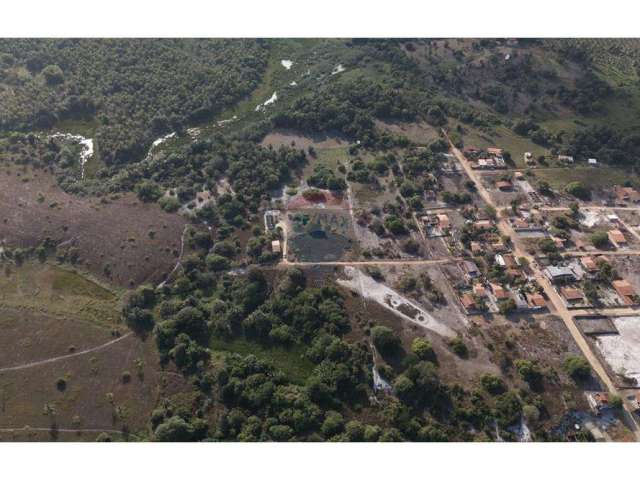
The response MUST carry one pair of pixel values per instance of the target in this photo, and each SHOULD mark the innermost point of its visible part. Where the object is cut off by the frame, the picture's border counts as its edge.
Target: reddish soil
(329, 200)
(113, 236)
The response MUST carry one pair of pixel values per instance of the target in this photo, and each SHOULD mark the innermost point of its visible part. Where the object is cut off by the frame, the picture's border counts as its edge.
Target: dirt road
(64, 357)
(438, 261)
(554, 297)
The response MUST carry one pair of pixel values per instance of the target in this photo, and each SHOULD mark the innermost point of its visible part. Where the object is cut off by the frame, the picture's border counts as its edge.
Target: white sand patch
(86, 143)
(622, 352)
(286, 64)
(161, 140)
(221, 123)
(193, 132)
(157, 142)
(338, 69)
(271, 100)
(391, 300)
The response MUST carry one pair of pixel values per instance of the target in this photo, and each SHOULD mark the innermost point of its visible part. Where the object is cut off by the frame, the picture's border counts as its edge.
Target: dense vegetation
(132, 90)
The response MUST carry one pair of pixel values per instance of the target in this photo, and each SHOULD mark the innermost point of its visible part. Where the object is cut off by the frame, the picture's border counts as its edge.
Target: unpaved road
(554, 298)
(356, 263)
(64, 357)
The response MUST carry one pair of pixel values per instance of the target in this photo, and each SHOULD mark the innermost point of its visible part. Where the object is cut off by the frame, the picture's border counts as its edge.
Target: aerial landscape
(309, 240)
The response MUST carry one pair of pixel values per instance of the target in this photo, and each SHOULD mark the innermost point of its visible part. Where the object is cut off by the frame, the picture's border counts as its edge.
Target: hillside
(278, 240)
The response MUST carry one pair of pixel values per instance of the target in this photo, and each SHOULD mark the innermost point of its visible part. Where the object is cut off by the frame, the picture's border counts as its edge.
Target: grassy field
(603, 177)
(58, 292)
(507, 140)
(290, 361)
(331, 157)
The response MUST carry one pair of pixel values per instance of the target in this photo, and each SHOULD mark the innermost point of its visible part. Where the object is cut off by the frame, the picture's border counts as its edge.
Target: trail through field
(178, 263)
(64, 357)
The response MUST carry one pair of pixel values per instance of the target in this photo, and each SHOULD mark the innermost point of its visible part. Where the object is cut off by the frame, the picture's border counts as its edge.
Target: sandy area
(391, 300)
(622, 352)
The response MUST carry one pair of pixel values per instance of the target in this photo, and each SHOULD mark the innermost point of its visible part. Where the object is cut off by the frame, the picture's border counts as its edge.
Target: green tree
(578, 190)
(577, 367)
(600, 239)
(384, 339)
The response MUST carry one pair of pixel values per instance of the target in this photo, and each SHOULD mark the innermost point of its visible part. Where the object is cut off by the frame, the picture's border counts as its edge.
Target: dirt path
(64, 430)
(554, 297)
(620, 253)
(438, 261)
(64, 357)
(179, 262)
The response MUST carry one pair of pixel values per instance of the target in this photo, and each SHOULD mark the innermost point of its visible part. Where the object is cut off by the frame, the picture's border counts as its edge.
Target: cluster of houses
(479, 293)
(624, 196)
(489, 159)
(566, 278)
(437, 224)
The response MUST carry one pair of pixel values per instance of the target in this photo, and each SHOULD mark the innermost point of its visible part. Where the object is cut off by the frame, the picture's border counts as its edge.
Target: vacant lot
(119, 238)
(59, 292)
(320, 235)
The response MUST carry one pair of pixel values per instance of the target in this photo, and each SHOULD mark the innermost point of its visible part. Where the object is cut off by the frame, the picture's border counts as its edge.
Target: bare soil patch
(291, 138)
(120, 238)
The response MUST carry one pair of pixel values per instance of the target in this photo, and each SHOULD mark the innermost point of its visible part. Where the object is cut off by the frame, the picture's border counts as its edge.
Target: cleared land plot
(420, 133)
(596, 178)
(507, 140)
(95, 394)
(123, 240)
(58, 292)
(622, 352)
(320, 235)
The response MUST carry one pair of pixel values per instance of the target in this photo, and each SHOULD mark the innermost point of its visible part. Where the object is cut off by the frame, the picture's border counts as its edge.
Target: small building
(625, 290)
(470, 269)
(616, 237)
(520, 224)
(535, 300)
(510, 261)
(572, 295)
(483, 224)
(497, 152)
(565, 158)
(468, 302)
(558, 242)
(498, 291)
(275, 246)
(443, 221)
(504, 186)
(528, 155)
(518, 176)
(479, 290)
(626, 195)
(580, 244)
(498, 246)
(559, 274)
(589, 264)
(476, 248)
(592, 161)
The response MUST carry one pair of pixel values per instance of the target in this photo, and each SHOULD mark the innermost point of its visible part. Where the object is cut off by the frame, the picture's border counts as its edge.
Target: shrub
(384, 339)
(600, 239)
(493, 384)
(422, 349)
(577, 367)
(61, 384)
(578, 190)
(169, 204)
(459, 347)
